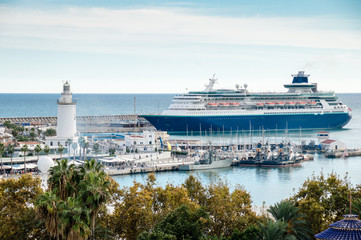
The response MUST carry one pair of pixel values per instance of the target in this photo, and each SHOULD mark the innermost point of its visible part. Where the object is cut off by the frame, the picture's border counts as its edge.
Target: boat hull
(214, 165)
(174, 123)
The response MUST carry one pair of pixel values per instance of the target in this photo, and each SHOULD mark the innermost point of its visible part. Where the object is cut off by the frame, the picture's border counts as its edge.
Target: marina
(277, 179)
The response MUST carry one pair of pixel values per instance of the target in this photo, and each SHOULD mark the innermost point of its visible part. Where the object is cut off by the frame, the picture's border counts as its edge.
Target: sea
(267, 186)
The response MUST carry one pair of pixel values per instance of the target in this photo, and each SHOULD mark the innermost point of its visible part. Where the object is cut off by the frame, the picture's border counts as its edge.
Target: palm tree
(94, 189)
(60, 149)
(60, 177)
(288, 213)
(86, 146)
(69, 142)
(81, 142)
(275, 231)
(96, 149)
(24, 149)
(46, 150)
(47, 207)
(37, 149)
(11, 151)
(356, 206)
(74, 146)
(90, 166)
(2, 150)
(74, 219)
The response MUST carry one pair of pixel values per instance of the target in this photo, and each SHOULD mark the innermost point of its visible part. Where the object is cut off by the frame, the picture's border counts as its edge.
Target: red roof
(328, 141)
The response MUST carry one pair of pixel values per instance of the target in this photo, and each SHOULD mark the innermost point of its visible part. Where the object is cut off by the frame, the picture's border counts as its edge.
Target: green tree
(228, 209)
(140, 207)
(32, 136)
(195, 189)
(37, 150)
(50, 132)
(61, 149)
(11, 151)
(74, 146)
(47, 205)
(69, 142)
(81, 142)
(356, 207)
(7, 124)
(60, 179)
(46, 149)
(296, 225)
(86, 146)
(24, 149)
(96, 148)
(275, 231)
(111, 151)
(79, 196)
(94, 190)
(182, 223)
(323, 200)
(250, 233)
(91, 166)
(17, 214)
(74, 219)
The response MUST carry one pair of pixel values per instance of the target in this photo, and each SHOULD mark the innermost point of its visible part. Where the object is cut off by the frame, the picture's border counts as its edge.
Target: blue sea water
(268, 185)
(42, 105)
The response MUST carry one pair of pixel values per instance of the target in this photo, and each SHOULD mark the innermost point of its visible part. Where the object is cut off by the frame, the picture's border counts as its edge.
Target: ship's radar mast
(211, 83)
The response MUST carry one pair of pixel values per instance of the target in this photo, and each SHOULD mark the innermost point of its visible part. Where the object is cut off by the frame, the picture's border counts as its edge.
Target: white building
(144, 142)
(66, 121)
(333, 145)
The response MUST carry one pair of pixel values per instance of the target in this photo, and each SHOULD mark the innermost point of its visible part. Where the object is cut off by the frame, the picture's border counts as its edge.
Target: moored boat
(210, 160)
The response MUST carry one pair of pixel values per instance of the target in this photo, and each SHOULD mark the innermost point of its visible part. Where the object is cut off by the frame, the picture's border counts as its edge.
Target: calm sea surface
(268, 185)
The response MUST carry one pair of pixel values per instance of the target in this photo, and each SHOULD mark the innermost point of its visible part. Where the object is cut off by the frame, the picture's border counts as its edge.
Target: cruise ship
(301, 107)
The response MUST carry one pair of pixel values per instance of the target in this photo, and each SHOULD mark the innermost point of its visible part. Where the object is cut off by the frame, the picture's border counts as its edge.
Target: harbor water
(268, 185)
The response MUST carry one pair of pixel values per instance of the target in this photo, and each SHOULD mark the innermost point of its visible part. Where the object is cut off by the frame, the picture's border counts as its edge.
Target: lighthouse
(66, 125)
(66, 122)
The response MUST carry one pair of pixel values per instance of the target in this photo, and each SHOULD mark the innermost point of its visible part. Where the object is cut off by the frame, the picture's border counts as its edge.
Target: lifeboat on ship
(234, 104)
(290, 104)
(259, 104)
(270, 104)
(312, 103)
(300, 104)
(280, 104)
(212, 104)
(224, 104)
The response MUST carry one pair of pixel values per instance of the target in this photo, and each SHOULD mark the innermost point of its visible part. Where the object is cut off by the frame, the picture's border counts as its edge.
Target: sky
(133, 46)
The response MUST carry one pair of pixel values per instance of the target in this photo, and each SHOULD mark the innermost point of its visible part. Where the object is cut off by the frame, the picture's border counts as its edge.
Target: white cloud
(122, 31)
(169, 49)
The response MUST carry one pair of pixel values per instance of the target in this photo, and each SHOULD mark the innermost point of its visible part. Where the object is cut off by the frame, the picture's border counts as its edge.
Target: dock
(343, 154)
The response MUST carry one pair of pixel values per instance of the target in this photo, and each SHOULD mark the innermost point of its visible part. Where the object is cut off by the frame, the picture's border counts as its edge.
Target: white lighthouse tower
(66, 125)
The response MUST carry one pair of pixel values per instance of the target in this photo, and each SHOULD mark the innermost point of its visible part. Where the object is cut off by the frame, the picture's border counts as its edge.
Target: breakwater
(105, 123)
(85, 119)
